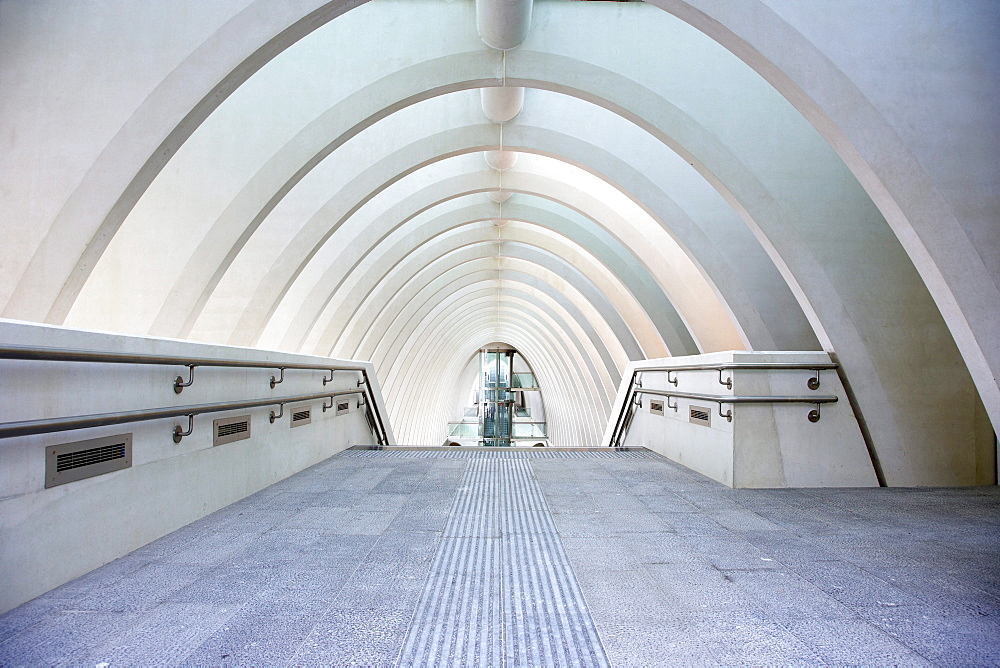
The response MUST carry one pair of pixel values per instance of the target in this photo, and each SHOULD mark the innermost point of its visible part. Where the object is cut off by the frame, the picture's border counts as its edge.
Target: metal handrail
(371, 408)
(626, 408)
(624, 415)
(752, 399)
(812, 383)
(69, 355)
(45, 426)
(30, 353)
(813, 416)
(741, 365)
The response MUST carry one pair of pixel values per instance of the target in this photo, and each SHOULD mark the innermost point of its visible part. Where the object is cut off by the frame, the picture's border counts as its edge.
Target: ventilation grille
(227, 430)
(343, 407)
(234, 428)
(301, 415)
(700, 415)
(656, 407)
(69, 462)
(74, 460)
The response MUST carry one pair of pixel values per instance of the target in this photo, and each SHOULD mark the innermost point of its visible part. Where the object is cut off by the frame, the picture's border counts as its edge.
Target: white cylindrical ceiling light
(503, 24)
(500, 160)
(499, 196)
(502, 103)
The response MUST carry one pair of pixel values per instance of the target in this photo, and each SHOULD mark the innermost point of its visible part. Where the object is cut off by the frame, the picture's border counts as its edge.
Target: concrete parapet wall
(49, 536)
(765, 445)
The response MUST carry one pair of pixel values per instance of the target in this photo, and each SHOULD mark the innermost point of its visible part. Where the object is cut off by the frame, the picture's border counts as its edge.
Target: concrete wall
(50, 536)
(692, 176)
(765, 445)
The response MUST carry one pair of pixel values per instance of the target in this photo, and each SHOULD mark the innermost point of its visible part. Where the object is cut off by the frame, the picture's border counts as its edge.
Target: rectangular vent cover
(700, 415)
(656, 407)
(301, 415)
(69, 462)
(227, 430)
(343, 407)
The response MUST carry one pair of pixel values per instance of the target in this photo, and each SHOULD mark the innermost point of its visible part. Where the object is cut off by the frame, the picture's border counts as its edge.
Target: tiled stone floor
(341, 564)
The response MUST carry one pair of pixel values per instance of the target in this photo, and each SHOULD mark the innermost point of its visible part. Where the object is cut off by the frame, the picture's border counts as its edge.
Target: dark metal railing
(720, 399)
(49, 425)
(812, 383)
(31, 427)
(64, 355)
(624, 418)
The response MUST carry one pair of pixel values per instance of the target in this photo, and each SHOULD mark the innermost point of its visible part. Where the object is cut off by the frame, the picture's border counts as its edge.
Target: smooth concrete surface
(765, 444)
(49, 536)
(399, 557)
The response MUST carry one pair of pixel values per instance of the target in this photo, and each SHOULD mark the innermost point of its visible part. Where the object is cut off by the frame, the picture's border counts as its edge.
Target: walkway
(539, 558)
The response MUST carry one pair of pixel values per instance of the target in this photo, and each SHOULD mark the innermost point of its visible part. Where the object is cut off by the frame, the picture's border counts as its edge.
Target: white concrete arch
(870, 190)
(575, 424)
(942, 211)
(241, 327)
(221, 55)
(741, 246)
(440, 329)
(578, 345)
(567, 423)
(382, 272)
(443, 190)
(574, 266)
(566, 415)
(536, 143)
(483, 253)
(282, 174)
(573, 316)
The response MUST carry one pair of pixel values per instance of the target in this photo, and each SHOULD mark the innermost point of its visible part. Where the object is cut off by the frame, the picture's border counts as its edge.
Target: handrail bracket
(179, 383)
(728, 382)
(280, 379)
(178, 434)
(813, 383)
(281, 413)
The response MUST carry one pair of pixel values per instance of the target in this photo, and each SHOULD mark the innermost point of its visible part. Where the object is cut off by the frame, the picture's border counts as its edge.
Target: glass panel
(529, 430)
(463, 430)
(524, 380)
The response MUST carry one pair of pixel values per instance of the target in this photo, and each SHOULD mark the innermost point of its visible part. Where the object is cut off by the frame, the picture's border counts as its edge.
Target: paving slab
(510, 558)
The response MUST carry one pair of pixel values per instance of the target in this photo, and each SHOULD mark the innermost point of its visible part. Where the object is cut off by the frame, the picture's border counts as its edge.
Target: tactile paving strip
(507, 453)
(501, 590)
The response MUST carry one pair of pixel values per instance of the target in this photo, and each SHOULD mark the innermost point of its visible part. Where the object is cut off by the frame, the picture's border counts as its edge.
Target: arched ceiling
(310, 176)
